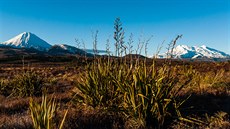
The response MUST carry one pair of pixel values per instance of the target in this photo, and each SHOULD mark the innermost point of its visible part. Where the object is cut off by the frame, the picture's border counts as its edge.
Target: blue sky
(61, 21)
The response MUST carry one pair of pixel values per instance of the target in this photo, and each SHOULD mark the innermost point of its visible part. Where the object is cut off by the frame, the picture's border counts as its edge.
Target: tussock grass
(27, 83)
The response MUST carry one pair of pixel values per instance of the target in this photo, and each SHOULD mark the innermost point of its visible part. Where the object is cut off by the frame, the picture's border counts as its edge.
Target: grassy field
(115, 93)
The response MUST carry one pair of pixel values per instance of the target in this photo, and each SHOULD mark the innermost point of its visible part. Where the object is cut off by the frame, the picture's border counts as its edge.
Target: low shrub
(24, 84)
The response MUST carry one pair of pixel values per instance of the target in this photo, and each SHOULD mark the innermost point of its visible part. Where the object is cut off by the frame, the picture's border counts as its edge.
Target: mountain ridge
(196, 52)
(30, 40)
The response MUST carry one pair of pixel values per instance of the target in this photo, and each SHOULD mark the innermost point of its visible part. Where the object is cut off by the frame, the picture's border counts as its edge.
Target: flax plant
(145, 93)
(43, 114)
(96, 85)
(150, 96)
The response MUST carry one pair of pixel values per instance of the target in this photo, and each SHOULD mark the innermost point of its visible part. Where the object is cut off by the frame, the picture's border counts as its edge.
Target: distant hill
(7, 52)
(62, 49)
(134, 56)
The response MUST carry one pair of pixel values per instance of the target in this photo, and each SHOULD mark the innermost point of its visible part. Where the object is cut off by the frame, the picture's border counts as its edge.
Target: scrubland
(115, 93)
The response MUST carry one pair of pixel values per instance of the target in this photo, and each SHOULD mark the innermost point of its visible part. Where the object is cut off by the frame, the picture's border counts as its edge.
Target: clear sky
(202, 22)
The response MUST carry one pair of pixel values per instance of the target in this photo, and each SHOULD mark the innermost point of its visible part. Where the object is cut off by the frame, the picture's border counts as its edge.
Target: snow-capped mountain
(27, 40)
(195, 52)
(30, 40)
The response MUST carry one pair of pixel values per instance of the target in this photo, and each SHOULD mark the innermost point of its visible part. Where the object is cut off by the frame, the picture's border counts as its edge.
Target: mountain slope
(194, 52)
(27, 40)
(7, 52)
(62, 49)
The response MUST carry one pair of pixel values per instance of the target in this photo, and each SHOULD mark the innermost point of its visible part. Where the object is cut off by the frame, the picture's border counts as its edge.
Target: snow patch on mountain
(68, 48)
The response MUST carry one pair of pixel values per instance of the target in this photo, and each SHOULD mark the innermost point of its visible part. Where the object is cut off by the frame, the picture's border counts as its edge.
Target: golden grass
(210, 95)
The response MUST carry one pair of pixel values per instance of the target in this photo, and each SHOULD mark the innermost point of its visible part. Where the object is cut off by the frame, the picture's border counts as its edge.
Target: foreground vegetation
(186, 95)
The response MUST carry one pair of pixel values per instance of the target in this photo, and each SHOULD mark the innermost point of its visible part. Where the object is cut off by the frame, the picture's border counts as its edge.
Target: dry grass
(210, 98)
